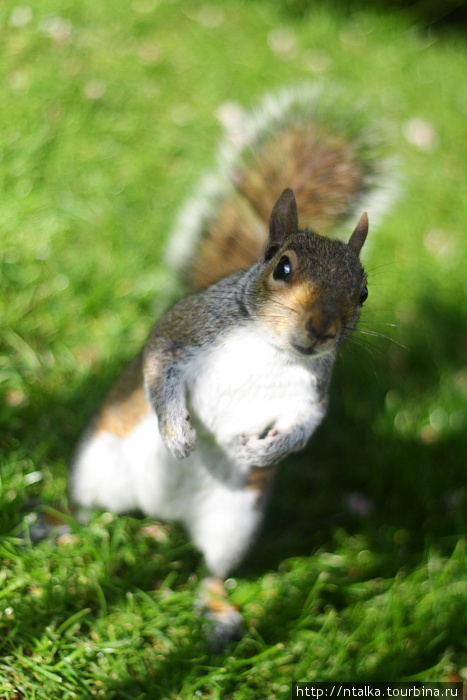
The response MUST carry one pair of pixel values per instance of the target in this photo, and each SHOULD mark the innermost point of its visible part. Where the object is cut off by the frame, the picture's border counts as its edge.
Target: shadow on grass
(426, 14)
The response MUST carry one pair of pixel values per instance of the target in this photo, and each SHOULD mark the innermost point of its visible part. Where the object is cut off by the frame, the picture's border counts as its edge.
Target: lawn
(109, 115)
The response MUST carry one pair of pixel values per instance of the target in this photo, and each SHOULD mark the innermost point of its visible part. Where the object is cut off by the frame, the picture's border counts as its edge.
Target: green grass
(108, 117)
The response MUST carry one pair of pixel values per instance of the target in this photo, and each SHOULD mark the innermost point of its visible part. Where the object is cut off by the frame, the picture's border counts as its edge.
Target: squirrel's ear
(358, 237)
(282, 222)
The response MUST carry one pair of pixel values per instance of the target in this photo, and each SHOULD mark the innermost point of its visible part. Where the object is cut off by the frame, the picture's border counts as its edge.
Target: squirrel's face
(310, 294)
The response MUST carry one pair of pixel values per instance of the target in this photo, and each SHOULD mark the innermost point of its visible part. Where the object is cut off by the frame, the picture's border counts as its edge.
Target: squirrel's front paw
(179, 437)
(259, 450)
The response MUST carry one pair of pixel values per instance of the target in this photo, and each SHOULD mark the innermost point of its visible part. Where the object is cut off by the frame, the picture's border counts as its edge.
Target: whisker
(362, 342)
(274, 317)
(381, 323)
(387, 264)
(372, 350)
(356, 346)
(283, 306)
(374, 334)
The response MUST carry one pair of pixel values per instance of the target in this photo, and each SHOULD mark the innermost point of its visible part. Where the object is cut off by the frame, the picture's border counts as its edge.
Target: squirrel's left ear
(358, 237)
(282, 222)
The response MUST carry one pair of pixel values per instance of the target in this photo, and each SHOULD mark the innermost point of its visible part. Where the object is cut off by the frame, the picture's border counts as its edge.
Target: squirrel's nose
(323, 325)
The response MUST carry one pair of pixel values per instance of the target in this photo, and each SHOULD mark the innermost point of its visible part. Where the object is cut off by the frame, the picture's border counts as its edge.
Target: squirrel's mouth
(311, 351)
(305, 351)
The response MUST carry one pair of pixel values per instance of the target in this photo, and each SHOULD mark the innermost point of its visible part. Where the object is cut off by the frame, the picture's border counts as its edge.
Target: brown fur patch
(300, 296)
(261, 478)
(287, 307)
(126, 404)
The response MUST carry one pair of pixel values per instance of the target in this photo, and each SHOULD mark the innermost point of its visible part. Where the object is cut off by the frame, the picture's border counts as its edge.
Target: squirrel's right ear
(282, 222)
(358, 237)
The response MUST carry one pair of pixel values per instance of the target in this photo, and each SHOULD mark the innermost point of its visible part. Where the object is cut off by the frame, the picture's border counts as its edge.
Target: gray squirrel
(235, 376)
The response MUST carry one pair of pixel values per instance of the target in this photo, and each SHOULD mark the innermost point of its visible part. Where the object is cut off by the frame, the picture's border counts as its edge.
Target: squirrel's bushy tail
(316, 141)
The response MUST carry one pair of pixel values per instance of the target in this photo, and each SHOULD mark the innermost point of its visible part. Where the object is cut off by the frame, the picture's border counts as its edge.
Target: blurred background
(110, 113)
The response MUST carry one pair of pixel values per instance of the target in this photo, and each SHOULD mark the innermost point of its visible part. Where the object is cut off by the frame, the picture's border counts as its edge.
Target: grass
(108, 117)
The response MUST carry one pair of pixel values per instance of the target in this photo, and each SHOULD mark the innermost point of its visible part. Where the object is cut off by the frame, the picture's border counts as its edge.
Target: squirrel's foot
(223, 623)
(179, 436)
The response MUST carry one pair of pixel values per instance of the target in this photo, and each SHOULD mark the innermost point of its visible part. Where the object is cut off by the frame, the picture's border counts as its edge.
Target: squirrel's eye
(283, 269)
(363, 295)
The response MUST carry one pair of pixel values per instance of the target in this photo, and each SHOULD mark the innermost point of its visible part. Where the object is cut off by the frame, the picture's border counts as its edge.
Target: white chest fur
(245, 386)
(241, 387)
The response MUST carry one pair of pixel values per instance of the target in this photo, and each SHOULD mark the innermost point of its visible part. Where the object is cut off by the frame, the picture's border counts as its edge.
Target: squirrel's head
(311, 289)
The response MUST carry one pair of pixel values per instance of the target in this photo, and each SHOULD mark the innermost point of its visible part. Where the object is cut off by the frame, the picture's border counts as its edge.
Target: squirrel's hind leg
(223, 528)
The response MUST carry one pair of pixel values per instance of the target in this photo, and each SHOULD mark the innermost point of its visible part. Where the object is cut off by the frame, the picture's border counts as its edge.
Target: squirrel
(236, 375)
